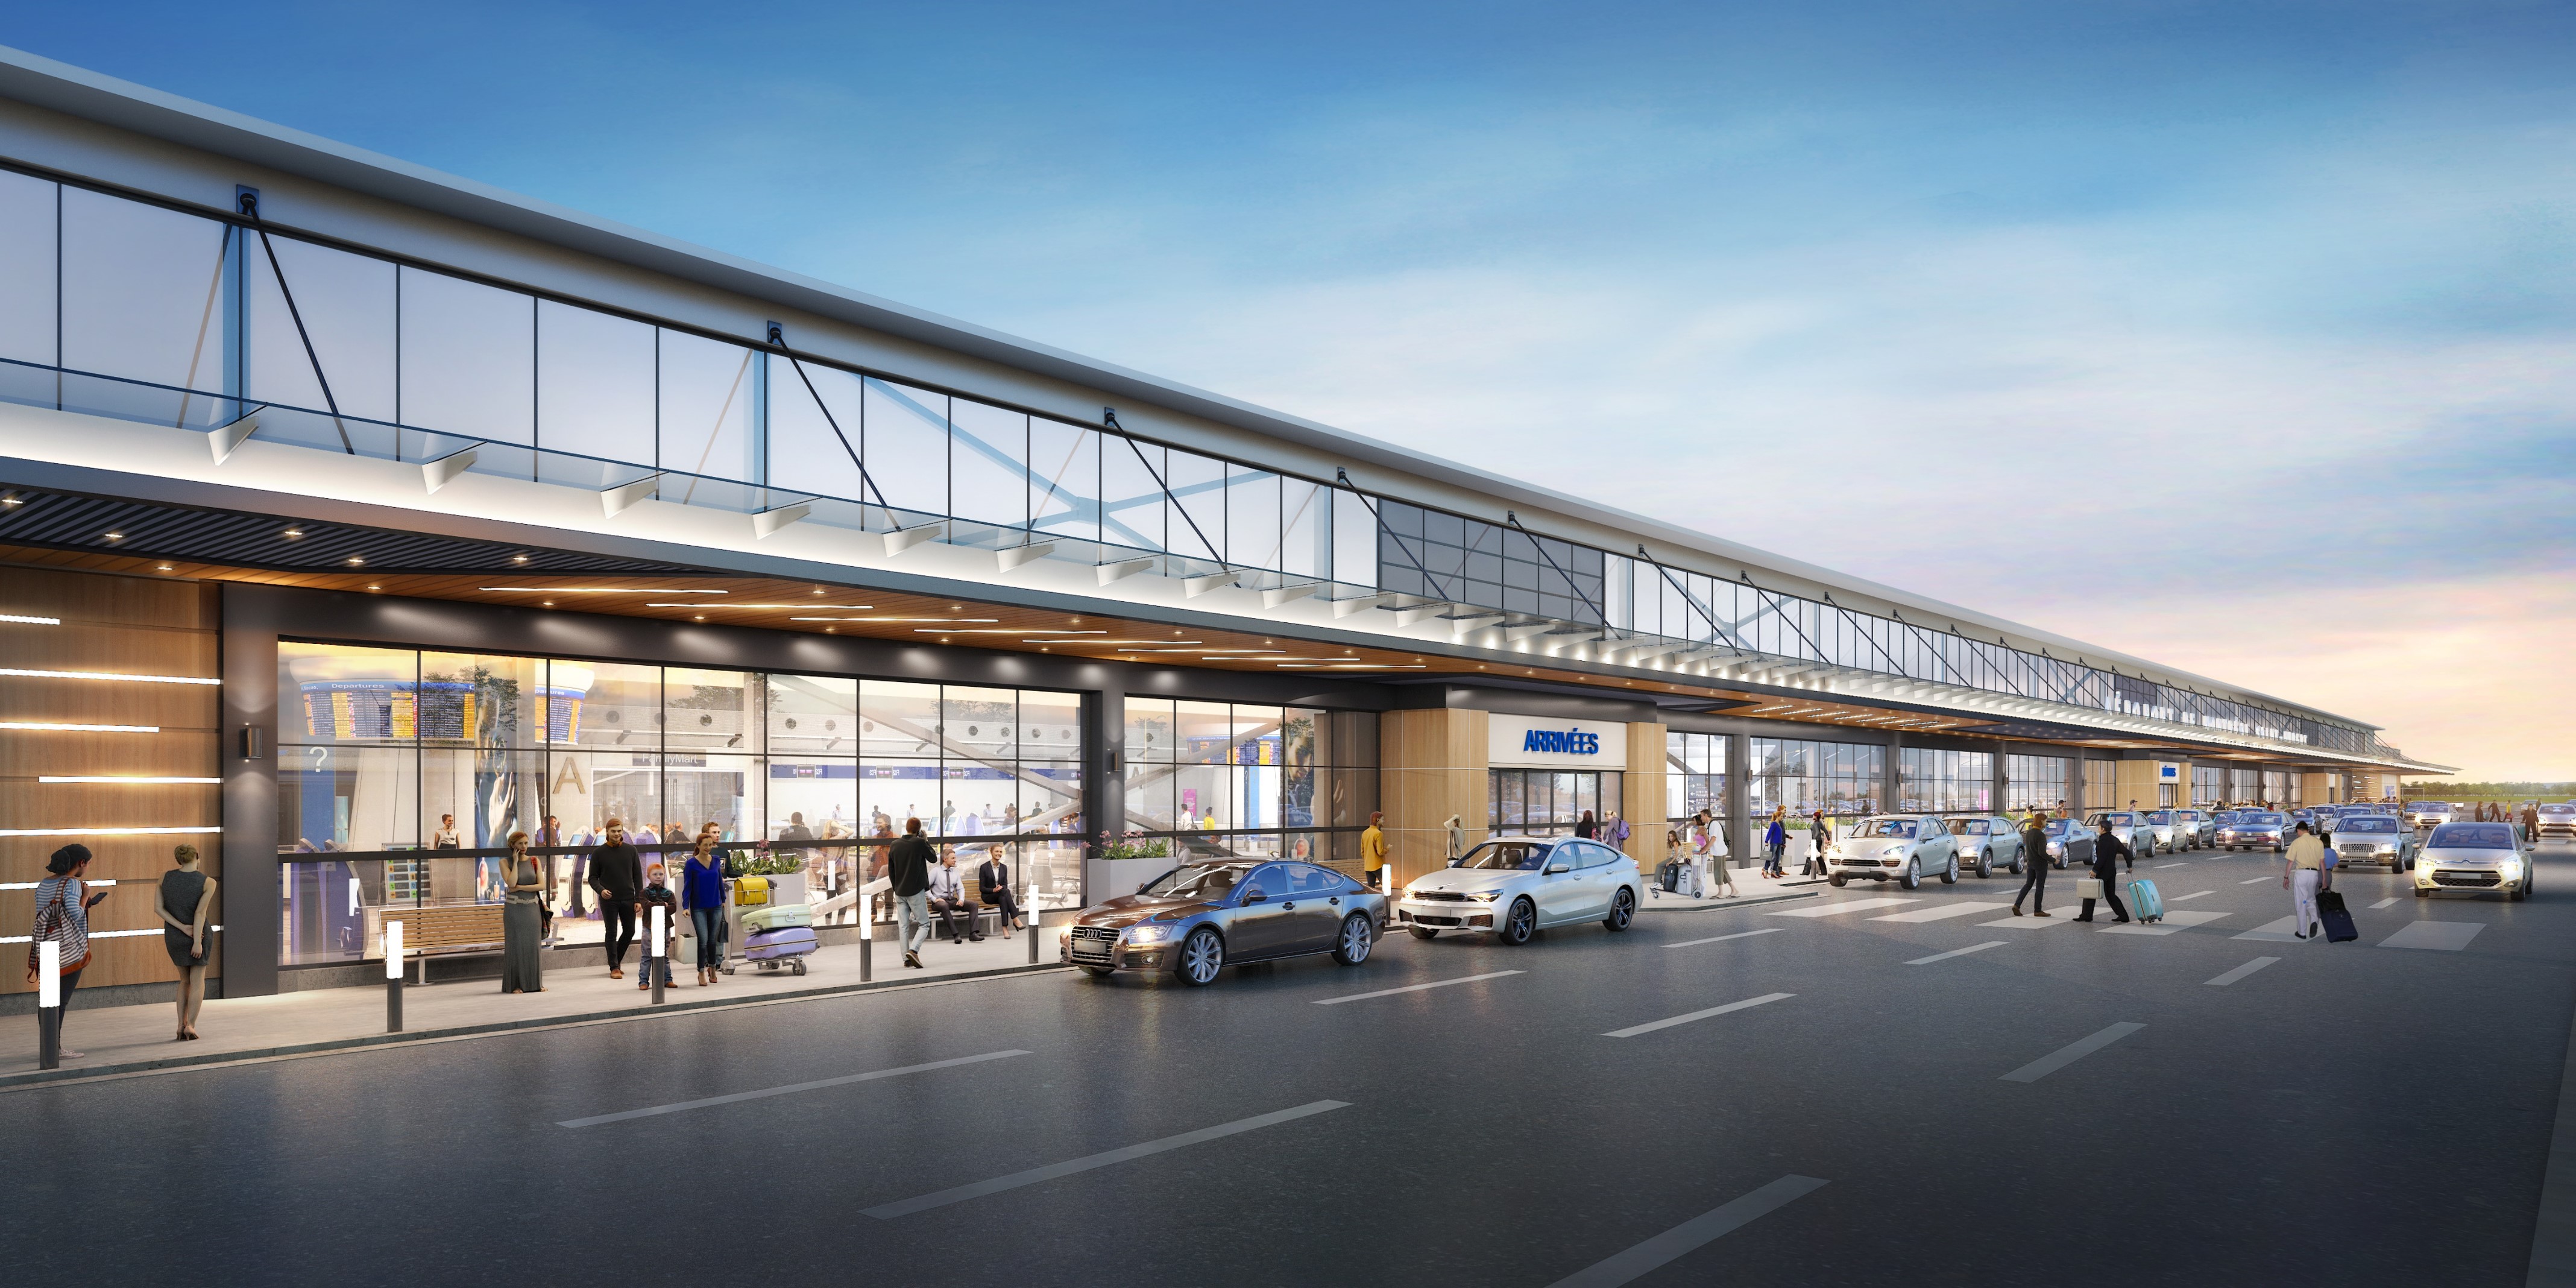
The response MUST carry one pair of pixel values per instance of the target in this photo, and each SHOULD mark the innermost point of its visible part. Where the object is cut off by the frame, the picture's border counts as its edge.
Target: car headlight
(2511, 868)
(1148, 934)
(1485, 896)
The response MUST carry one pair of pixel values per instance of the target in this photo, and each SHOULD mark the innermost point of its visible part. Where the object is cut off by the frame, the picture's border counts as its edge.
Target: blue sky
(2111, 317)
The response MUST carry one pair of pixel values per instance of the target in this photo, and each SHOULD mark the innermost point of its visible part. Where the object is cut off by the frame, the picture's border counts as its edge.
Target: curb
(44, 1077)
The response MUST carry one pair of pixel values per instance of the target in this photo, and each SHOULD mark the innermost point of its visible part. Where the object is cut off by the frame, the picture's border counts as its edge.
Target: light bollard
(1028, 900)
(657, 966)
(49, 1005)
(867, 935)
(393, 976)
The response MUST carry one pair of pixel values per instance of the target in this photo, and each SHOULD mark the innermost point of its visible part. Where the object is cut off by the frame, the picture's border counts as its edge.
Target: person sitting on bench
(948, 898)
(993, 878)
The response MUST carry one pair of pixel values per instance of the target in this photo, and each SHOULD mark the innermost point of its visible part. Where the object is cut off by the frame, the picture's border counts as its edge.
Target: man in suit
(2034, 857)
(2108, 850)
(993, 886)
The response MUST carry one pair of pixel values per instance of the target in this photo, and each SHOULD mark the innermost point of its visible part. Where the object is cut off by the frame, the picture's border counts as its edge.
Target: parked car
(2131, 827)
(2069, 842)
(2201, 824)
(1986, 842)
(2173, 835)
(2475, 858)
(2375, 838)
(2255, 829)
(2430, 813)
(1894, 847)
(1512, 889)
(2558, 820)
(1200, 918)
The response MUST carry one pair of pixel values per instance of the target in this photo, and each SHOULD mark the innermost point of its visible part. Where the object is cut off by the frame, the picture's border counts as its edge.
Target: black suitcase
(1669, 876)
(2330, 910)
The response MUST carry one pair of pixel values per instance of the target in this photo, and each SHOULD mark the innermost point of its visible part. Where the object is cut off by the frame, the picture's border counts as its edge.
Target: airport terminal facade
(354, 516)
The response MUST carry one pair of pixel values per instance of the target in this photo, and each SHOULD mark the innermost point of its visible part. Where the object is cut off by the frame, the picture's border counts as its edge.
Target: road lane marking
(2241, 972)
(2273, 932)
(1412, 988)
(1939, 912)
(1956, 952)
(2185, 862)
(2383, 903)
(790, 1089)
(2030, 923)
(2438, 936)
(1741, 934)
(1691, 1235)
(1847, 905)
(1051, 1171)
(1697, 1015)
(2252, 880)
(2070, 1053)
(2193, 895)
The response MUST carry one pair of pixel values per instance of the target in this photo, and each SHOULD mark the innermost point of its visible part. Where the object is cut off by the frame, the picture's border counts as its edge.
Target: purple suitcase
(775, 945)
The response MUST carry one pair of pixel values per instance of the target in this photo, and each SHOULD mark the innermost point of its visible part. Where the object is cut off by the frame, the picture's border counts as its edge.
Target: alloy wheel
(1353, 946)
(1519, 923)
(1202, 957)
(1623, 908)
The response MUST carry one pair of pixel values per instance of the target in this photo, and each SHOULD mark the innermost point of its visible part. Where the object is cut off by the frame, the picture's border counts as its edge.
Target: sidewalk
(127, 1039)
(1750, 887)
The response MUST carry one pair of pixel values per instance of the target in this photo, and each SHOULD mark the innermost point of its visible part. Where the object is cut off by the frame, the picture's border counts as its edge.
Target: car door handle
(1287, 907)
(1336, 901)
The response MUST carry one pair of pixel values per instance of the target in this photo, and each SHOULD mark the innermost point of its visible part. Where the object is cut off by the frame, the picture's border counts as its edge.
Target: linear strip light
(119, 778)
(96, 934)
(1022, 630)
(702, 604)
(603, 590)
(1352, 666)
(108, 675)
(107, 831)
(30, 621)
(896, 619)
(1049, 639)
(77, 728)
(30, 885)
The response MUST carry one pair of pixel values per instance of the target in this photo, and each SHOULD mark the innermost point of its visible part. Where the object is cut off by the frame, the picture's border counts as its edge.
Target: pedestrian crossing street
(2423, 933)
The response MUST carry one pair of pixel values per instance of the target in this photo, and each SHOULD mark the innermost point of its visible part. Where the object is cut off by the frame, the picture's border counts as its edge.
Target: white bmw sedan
(1897, 847)
(1514, 888)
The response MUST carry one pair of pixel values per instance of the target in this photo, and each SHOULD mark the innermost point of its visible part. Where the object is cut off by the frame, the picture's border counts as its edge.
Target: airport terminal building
(353, 516)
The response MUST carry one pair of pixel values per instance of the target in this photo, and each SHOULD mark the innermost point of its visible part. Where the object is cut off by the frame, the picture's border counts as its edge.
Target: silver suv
(1895, 847)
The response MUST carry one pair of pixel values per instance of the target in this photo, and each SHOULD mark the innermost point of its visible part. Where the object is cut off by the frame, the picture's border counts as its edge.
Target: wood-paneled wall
(125, 625)
(1641, 795)
(1431, 764)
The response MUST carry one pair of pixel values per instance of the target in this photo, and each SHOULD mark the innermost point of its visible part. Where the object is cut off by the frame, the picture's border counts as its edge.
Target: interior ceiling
(830, 609)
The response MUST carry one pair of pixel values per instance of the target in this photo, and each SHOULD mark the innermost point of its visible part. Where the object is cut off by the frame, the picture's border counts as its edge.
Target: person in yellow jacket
(2306, 862)
(1373, 852)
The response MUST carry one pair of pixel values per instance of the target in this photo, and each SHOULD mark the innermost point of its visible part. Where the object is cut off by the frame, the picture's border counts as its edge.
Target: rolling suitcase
(777, 916)
(2338, 921)
(1668, 877)
(772, 945)
(2145, 903)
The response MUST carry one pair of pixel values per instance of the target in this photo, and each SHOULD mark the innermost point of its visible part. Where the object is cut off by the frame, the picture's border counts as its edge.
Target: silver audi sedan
(1894, 847)
(2255, 829)
(2474, 858)
(2131, 827)
(2374, 838)
(1986, 842)
(1200, 918)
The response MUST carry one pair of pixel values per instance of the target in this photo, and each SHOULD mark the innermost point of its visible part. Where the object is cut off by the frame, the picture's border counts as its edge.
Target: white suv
(1897, 847)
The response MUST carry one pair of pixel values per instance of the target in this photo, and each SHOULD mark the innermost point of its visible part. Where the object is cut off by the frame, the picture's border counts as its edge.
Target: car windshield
(2558, 809)
(2366, 823)
(1897, 827)
(2161, 816)
(1198, 881)
(2472, 836)
(2260, 820)
(1508, 856)
(2060, 826)
(1972, 827)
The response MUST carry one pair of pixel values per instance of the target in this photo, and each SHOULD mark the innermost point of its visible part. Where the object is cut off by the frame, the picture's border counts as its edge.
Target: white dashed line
(1741, 934)
(2193, 895)
(2242, 971)
(1956, 952)
(1696, 1015)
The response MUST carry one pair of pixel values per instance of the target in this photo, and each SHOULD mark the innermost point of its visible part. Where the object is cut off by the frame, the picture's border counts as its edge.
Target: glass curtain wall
(2035, 782)
(1217, 779)
(133, 310)
(1547, 802)
(1943, 782)
(2101, 784)
(1799, 776)
(1694, 775)
(2208, 785)
(407, 763)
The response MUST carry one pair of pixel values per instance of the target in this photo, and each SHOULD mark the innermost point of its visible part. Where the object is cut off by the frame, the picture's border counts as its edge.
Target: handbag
(49, 923)
(2088, 887)
(750, 892)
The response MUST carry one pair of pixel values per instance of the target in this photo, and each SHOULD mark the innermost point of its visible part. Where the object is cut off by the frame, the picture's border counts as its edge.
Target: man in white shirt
(948, 898)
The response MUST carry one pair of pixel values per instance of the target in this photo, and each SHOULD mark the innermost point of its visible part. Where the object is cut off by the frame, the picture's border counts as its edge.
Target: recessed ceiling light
(292, 532)
(164, 567)
(518, 558)
(373, 586)
(116, 536)
(702, 617)
(549, 604)
(357, 561)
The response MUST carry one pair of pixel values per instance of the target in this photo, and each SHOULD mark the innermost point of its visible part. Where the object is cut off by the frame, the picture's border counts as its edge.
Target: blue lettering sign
(1561, 742)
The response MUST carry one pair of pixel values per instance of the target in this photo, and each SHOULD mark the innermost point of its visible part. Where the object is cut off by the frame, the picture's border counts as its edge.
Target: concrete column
(1891, 789)
(253, 901)
(1739, 796)
(1996, 802)
(1104, 778)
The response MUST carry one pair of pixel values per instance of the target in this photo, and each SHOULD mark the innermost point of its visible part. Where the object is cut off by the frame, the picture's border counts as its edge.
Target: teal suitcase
(2145, 903)
(776, 916)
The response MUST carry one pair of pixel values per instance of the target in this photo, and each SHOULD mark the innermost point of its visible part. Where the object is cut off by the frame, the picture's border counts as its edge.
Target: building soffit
(1237, 427)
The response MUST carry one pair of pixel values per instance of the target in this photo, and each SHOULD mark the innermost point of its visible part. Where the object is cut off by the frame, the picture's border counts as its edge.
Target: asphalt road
(2348, 1113)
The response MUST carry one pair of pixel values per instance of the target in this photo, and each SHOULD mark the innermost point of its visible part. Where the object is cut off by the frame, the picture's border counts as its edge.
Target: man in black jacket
(907, 870)
(2108, 850)
(617, 875)
(2034, 857)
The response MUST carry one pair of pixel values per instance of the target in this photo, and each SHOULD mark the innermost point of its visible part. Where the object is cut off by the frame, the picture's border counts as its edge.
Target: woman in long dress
(522, 924)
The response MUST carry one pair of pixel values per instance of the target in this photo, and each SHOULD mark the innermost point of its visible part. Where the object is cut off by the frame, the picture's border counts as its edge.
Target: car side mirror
(1255, 897)
(1455, 862)
(1557, 869)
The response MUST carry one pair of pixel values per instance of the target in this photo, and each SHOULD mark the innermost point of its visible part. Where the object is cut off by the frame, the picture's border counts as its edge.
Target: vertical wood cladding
(127, 626)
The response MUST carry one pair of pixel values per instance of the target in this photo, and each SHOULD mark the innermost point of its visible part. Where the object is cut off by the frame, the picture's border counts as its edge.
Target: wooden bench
(437, 929)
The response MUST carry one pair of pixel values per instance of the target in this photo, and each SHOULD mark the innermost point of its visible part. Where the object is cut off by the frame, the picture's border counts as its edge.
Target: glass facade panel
(709, 412)
(1694, 775)
(1064, 483)
(906, 446)
(595, 384)
(989, 465)
(2036, 782)
(809, 449)
(1943, 782)
(347, 305)
(1197, 525)
(1843, 779)
(27, 275)
(2101, 784)
(142, 292)
(468, 358)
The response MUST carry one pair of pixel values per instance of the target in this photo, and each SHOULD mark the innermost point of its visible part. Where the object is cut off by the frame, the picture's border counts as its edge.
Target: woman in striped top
(63, 902)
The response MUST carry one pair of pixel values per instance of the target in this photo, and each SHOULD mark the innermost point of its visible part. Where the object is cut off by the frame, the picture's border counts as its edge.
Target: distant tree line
(2445, 791)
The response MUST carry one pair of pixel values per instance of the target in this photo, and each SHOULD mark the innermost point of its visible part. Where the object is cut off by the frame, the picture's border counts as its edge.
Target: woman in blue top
(1775, 842)
(702, 891)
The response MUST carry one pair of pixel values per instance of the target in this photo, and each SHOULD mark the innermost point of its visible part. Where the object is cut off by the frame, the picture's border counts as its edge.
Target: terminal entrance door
(1547, 802)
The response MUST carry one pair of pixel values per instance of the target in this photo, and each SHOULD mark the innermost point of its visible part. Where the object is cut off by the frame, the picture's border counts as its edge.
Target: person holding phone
(63, 902)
